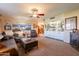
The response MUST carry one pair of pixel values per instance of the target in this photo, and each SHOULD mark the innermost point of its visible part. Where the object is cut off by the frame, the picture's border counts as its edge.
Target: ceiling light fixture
(36, 14)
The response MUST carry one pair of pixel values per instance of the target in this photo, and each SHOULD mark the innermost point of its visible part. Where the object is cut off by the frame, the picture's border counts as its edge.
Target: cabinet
(74, 39)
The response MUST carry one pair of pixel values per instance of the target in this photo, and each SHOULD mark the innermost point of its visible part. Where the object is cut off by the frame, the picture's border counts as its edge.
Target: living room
(31, 28)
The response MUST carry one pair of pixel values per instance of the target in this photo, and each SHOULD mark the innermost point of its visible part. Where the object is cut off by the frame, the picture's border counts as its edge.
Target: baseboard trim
(56, 39)
(53, 38)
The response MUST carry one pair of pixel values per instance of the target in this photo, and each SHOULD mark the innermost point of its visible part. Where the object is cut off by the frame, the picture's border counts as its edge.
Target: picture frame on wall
(71, 23)
(7, 27)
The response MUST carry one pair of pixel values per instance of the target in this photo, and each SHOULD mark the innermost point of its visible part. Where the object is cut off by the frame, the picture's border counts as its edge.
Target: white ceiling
(49, 9)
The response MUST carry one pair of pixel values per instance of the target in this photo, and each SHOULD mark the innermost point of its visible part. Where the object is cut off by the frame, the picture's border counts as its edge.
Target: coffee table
(29, 44)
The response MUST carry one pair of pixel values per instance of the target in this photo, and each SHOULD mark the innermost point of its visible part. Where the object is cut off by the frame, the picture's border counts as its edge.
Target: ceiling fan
(35, 13)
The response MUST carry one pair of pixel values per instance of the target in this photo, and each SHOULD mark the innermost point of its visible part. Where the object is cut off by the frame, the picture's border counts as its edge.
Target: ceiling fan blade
(40, 14)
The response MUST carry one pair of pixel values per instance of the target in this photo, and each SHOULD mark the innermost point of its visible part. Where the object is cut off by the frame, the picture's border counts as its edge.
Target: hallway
(51, 47)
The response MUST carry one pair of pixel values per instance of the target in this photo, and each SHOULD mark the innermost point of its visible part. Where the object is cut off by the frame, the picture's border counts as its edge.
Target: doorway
(40, 29)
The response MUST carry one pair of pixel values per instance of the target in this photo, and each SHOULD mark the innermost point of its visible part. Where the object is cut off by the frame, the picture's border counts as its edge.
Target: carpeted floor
(51, 47)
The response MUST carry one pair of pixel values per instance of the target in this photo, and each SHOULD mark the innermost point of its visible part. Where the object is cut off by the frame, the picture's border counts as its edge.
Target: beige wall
(10, 20)
(7, 19)
(62, 35)
(71, 14)
(64, 15)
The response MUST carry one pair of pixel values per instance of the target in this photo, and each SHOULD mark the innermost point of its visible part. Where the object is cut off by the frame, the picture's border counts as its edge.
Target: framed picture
(7, 27)
(71, 23)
